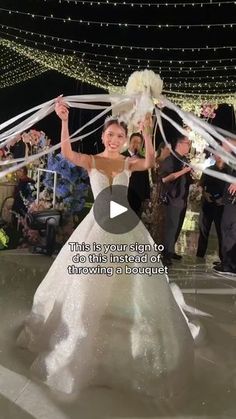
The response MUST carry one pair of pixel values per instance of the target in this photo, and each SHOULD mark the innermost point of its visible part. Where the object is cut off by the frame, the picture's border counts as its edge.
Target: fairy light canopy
(190, 44)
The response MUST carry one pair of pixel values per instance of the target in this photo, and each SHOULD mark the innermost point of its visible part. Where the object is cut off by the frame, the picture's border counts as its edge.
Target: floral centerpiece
(71, 188)
(35, 142)
(71, 191)
(72, 183)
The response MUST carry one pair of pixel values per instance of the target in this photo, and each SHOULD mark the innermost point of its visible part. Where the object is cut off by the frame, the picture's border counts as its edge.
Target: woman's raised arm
(149, 161)
(82, 160)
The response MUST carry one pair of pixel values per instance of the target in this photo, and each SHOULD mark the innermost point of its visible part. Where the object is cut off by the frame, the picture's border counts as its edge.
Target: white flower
(144, 82)
(147, 86)
(198, 142)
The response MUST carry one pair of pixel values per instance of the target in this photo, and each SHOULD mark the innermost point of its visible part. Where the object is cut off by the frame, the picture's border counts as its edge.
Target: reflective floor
(213, 391)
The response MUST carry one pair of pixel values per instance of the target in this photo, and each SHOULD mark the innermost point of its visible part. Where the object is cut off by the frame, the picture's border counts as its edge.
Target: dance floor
(213, 391)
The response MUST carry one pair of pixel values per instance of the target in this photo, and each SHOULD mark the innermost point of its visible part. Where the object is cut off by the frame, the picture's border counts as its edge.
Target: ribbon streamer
(72, 138)
(226, 156)
(222, 176)
(207, 131)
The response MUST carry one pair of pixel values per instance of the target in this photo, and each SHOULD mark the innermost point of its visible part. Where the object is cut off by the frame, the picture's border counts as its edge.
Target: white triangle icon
(116, 209)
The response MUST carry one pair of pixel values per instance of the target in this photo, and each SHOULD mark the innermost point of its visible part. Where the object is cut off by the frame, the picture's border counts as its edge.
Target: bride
(124, 331)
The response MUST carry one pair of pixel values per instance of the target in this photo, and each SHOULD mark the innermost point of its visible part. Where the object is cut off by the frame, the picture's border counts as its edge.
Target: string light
(121, 58)
(58, 62)
(95, 64)
(121, 79)
(122, 66)
(231, 82)
(167, 79)
(198, 85)
(17, 69)
(192, 69)
(121, 47)
(207, 91)
(133, 4)
(117, 64)
(181, 86)
(193, 104)
(119, 24)
(20, 77)
(74, 67)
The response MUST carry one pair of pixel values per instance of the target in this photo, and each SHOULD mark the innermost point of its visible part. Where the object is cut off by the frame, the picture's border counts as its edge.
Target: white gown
(125, 331)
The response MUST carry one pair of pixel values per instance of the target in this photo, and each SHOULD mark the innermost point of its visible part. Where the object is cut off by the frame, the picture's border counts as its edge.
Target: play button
(116, 209)
(112, 210)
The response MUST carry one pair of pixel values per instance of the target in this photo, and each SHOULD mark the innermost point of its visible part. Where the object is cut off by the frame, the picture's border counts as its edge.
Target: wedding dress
(124, 331)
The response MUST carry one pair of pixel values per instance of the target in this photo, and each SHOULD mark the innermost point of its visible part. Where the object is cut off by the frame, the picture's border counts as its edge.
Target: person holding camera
(228, 223)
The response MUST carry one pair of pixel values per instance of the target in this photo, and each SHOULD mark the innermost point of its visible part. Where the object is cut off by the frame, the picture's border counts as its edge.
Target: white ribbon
(226, 156)
(222, 176)
(207, 131)
(72, 138)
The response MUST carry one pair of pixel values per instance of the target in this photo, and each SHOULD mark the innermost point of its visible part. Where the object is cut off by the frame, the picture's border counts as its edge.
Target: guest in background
(228, 224)
(176, 178)
(139, 185)
(2, 153)
(211, 207)
(23, 191)
(157, 209)
(17, 147)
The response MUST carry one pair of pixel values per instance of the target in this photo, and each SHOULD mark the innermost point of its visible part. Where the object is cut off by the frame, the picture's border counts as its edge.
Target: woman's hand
(61, 109)
(186, 169)
(232, 189)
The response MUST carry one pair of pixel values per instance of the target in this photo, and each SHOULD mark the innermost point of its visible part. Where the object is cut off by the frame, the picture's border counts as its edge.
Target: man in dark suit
(17, 147)
(139, 186)
(176, 179)
(23, 193)
(212, 207)
(228, 224)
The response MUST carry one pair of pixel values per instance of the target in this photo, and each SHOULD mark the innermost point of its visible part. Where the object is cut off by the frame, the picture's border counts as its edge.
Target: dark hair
(116, 122)
(136, 134)
(180, 138)
(24, 170)
(160, 148)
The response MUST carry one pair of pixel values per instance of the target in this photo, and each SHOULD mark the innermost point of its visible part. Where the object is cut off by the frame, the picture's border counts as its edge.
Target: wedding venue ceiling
(191, 44)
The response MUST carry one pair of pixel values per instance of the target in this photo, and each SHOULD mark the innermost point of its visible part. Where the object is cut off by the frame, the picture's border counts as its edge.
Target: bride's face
(114, 138)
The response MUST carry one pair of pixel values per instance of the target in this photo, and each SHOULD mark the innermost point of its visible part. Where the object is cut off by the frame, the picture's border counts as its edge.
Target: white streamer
(197, 124)
(222, 176)
(226, 156)
(48, 107)
(24, 125)
(225, 132)
(15, 118)
(208, 132)
(34, 157)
